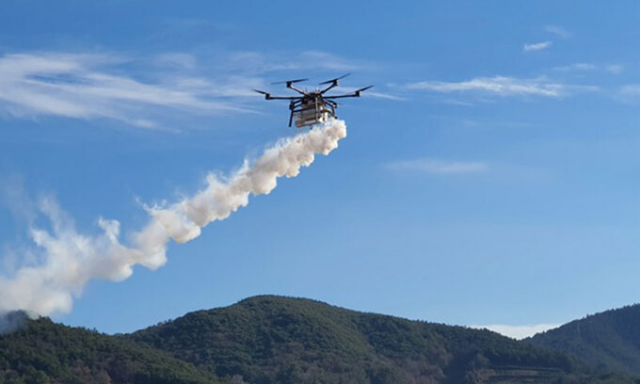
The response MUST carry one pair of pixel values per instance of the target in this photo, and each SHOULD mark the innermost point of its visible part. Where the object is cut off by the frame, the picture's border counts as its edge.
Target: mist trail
(66, 260)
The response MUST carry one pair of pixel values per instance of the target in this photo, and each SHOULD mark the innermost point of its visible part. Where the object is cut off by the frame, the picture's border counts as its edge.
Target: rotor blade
(364, 89)
(290, 81)
(336, 79)
(261, 92)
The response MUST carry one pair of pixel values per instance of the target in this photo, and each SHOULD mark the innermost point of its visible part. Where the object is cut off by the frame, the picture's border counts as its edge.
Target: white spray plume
(68, 259)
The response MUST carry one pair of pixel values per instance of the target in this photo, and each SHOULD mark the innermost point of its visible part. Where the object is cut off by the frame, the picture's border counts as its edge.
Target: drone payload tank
(312, 114)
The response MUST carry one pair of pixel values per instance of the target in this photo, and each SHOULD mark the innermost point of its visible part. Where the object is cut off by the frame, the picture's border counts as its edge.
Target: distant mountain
(609, 340)
(270, 339)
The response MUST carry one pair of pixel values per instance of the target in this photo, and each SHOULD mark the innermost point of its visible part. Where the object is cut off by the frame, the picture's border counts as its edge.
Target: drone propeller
(261, 92)
(336, 79)
(290, 81)
(364, 89)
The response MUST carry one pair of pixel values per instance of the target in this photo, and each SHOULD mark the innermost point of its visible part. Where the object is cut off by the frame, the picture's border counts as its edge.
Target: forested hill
(45, 352)
(270, 339)
(609, 339)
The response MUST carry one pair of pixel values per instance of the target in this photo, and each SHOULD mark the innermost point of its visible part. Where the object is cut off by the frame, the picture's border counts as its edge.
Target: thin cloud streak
(629, 93)
(81, 86)
(327, 61)
(537, 46)
(432, 166)
(95, 86)
(558, 31)
(517, 332)
(614, 69)
(369, 93)
(576, 67)
(497, 85)
(386, 96)
(258, 63)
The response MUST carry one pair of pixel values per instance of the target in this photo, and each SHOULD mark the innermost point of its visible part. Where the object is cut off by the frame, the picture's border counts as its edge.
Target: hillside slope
(45, 352)
(608, 340)
(271, 339)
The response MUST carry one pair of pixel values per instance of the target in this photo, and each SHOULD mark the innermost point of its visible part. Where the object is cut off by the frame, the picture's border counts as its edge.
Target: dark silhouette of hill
(269, 339)
(44, 352)
(609, 340)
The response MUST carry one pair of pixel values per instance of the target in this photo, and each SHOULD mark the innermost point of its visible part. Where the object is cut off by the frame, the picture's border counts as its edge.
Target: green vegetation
(45, 352)
(271, 339)
(608, 340)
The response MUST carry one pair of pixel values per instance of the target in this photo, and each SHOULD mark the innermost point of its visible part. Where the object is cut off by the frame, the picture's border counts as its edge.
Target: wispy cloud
(629, 93)
(615, 69)
(327, 61)
(433, 166)
(263, 63)
(537, 46)
(497, 85)
(517, 331)
(558, 31)
(88, 86)
(142, 91)
(382, 95)
(576, 67)
(177, 59)
(369, 93)
(457, 102)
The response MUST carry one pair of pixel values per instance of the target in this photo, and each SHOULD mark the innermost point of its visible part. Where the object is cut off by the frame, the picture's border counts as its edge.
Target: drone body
(312, 108)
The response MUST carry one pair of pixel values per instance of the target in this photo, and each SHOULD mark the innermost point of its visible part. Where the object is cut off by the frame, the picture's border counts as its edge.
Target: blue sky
(488, 178)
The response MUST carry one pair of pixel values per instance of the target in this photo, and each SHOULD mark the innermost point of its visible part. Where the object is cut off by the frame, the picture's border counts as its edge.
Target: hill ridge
(284, 334)
(608, 339)
(268, 339)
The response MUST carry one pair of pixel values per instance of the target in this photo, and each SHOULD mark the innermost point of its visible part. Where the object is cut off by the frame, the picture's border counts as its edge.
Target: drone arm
(355, 94)
(300, 91)
(333, 82)
(282, 98)
(333, 85)
(267, 96)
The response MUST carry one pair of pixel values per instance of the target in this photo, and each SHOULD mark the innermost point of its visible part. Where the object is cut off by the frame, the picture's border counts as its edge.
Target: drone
(312, 108)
